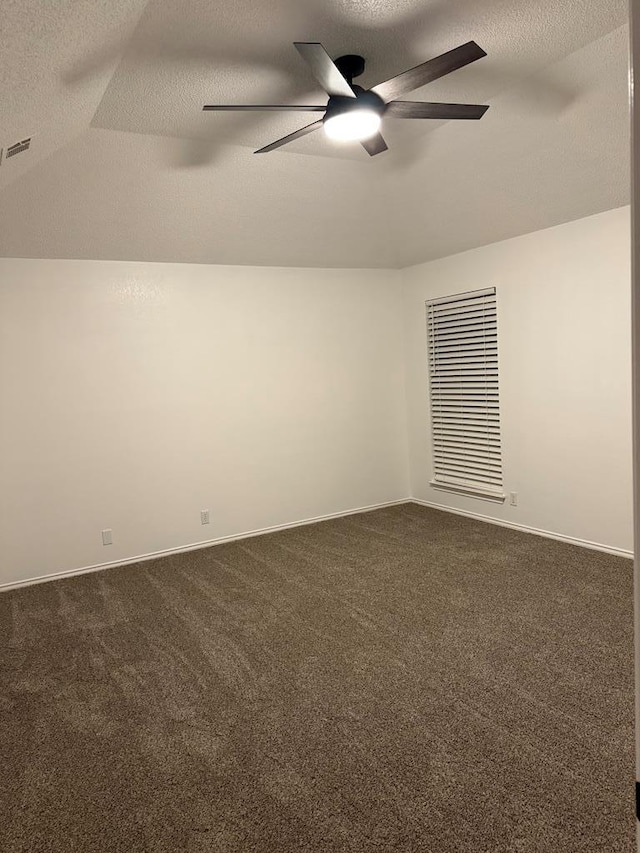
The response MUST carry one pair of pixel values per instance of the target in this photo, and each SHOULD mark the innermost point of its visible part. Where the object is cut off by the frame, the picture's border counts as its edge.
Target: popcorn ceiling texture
(39, 41)
(113, 93)
(403, 681)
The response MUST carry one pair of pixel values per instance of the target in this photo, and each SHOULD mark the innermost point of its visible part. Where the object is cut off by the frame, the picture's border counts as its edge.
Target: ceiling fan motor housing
(364, 100)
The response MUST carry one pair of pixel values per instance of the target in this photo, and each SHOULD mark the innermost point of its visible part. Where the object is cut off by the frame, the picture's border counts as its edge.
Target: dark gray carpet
(403, 680)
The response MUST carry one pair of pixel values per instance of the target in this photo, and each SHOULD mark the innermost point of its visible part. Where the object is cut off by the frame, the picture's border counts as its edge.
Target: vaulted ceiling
(124, 164)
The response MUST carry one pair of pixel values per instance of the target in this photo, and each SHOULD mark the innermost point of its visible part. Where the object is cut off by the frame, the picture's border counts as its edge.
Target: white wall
(134, 395)
(565, 375)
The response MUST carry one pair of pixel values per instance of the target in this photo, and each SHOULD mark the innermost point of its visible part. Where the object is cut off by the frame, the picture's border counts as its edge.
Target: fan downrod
(350, 66)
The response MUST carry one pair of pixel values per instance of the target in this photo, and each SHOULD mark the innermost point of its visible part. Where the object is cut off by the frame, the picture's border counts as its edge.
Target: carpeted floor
(403, 680)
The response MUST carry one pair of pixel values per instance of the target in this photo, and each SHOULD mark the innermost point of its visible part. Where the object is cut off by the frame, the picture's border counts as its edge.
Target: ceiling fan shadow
(188, 39)
(537, 93)
(182, 154)
(194, 154)
(404, 154)
(147, 50)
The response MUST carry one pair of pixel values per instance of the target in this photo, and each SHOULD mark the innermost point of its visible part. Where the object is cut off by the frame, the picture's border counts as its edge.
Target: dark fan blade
(374, 145)
(416, 109)
(428, 71)
(295, 135)
(324, 69)
(268, 107)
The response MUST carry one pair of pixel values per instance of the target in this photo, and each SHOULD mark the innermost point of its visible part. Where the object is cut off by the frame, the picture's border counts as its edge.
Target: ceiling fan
(353, 113)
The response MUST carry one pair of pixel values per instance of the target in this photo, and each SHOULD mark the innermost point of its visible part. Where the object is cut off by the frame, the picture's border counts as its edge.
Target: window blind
(463, 386)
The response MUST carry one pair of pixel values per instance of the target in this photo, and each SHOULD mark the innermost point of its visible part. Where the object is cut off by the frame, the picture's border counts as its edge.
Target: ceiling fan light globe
(352, 125)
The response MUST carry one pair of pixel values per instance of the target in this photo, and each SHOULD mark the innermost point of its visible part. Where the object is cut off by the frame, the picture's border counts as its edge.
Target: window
(463, 385)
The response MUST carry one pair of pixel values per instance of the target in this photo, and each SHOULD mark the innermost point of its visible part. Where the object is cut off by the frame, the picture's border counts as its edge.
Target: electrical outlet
(513, 498)
(107, 537)
(204, 516)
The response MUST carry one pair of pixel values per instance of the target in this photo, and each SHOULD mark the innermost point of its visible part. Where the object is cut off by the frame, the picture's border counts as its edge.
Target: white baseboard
(572, 540)
(195, 546)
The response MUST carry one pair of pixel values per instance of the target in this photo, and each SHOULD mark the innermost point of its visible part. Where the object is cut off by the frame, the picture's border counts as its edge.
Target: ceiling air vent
(18, 148)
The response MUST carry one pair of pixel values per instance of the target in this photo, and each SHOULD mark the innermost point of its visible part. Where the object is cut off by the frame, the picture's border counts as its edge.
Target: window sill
(469, 492)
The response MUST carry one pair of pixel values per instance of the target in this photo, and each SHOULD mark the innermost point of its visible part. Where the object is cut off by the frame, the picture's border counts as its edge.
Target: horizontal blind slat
(445, 314)
(460, 301)
(484, 444)
(465, 324)
(468, 465)
(451, 476)
(484, 460)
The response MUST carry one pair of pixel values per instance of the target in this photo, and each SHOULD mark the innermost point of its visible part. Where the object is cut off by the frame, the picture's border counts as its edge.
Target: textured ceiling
(40, 41)
(125, 165)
